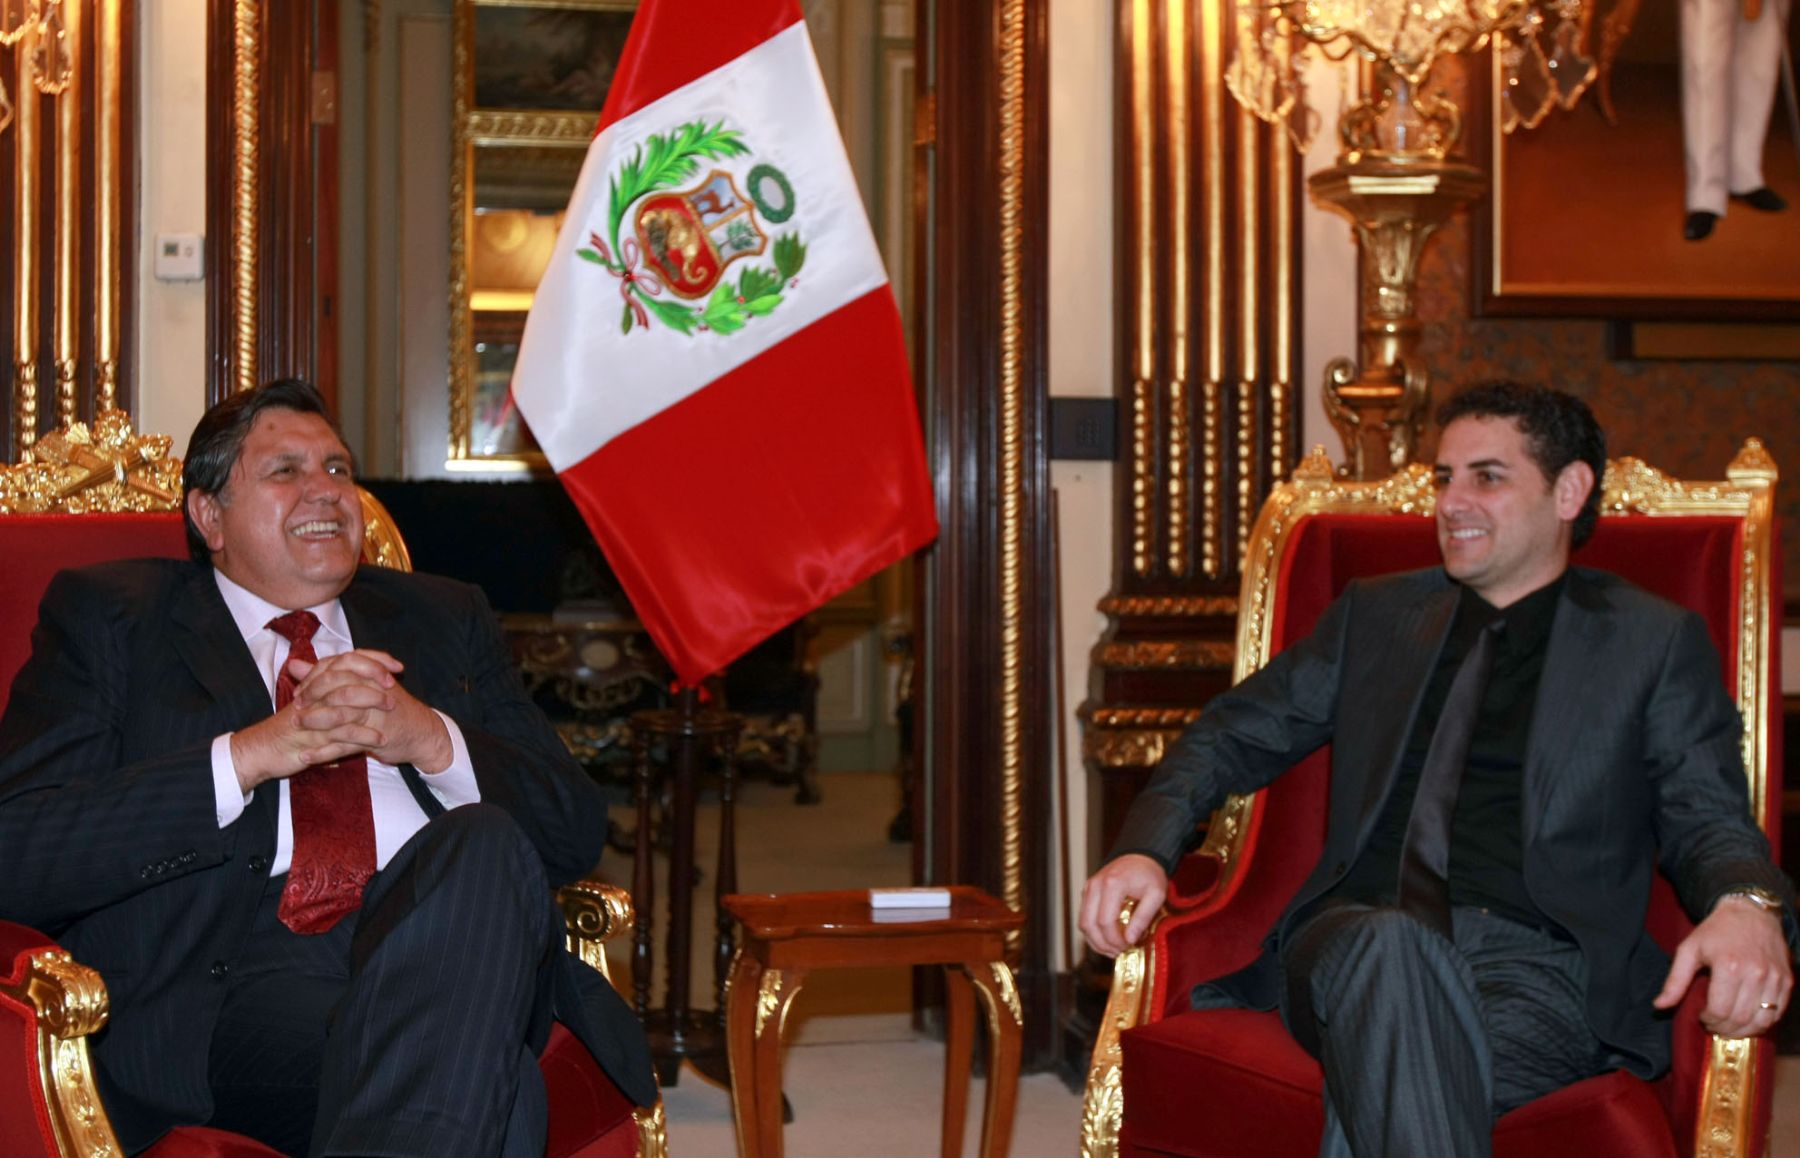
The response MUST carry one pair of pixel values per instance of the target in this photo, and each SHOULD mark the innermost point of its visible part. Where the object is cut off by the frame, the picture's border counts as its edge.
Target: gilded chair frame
(1630, 488)
(112, 469)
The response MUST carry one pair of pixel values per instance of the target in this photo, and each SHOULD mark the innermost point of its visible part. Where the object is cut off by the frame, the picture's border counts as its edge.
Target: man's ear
(204, 509)
(1572, 487)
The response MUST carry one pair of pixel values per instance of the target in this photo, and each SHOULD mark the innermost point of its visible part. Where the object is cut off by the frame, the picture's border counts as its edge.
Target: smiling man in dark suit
(1515, 744)
(302, 818)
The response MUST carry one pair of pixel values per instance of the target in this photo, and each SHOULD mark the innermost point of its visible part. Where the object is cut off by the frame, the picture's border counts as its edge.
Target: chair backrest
(42, 533)
(1706, 546)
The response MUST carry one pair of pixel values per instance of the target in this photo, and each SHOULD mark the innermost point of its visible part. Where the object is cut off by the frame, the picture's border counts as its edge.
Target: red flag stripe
(779, 486)
(671, 44)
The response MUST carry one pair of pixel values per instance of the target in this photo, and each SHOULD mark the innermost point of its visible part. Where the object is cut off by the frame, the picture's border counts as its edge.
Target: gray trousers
(1424, 1043)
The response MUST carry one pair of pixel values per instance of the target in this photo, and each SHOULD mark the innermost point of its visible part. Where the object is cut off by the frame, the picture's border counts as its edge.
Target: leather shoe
(1699, 225)
(1765, 199)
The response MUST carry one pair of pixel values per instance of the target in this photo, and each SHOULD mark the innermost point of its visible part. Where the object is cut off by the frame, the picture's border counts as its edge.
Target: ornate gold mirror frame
(514, 163)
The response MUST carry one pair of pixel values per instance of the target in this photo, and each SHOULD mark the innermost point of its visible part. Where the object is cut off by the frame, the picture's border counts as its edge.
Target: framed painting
(1585, 214)
(547, 54)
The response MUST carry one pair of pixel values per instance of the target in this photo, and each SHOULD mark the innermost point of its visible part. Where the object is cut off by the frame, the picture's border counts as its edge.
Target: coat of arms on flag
(682, 240)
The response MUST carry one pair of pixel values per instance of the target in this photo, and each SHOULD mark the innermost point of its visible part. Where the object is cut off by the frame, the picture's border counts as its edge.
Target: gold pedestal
(1395, 203)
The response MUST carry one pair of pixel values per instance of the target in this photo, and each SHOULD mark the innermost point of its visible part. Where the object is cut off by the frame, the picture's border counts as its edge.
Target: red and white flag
(713, 362)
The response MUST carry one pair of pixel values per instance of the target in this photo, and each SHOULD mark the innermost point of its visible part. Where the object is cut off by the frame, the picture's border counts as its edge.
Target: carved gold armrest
(593, 914)
(70, 1003)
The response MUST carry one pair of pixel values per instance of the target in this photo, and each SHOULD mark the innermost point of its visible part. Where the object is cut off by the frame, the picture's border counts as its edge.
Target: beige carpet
(863, 1084)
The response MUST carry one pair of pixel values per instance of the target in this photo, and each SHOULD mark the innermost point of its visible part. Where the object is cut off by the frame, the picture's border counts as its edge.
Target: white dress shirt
(397, 813)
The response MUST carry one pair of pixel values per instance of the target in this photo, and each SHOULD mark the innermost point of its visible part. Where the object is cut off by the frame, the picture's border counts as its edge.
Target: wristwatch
(1762, 898)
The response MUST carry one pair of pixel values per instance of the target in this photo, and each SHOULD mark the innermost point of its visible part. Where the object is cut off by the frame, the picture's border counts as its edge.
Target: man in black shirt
(1547, 733)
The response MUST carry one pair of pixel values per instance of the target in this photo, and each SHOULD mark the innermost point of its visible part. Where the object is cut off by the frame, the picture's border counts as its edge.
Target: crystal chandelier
(39, 25)
(1394, 178)
(1542, 45)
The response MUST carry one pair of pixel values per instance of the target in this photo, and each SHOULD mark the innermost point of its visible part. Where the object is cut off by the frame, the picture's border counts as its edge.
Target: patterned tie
(1425, 854)
(334, 821)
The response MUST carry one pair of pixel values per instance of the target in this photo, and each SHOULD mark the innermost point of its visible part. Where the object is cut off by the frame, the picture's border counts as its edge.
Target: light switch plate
(178, 257)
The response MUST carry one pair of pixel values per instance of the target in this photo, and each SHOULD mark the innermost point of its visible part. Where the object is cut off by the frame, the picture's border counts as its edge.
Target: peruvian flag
(713, 362)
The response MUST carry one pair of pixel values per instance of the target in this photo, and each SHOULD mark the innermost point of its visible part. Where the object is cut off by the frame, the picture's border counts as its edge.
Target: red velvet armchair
(1168, 1080)
(50, 1004)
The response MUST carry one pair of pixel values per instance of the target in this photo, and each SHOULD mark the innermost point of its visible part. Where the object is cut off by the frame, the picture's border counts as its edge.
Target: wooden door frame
(987, 588)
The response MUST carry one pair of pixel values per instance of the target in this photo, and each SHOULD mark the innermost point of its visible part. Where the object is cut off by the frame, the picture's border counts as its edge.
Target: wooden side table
(786, 936)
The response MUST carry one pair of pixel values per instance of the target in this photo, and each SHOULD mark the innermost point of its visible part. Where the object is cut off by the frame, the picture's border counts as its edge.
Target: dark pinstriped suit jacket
(1633, 756)
(108, 836)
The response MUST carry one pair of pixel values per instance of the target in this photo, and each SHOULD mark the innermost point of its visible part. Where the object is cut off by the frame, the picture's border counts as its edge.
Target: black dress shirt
(1487, 832)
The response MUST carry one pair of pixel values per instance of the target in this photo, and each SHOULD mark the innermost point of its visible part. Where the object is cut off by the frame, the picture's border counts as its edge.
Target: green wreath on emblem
(662, 162)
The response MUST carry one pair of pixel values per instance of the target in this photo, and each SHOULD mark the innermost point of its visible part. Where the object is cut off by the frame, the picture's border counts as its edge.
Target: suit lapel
(1402, 674)
(207, 640)
(1575, 662)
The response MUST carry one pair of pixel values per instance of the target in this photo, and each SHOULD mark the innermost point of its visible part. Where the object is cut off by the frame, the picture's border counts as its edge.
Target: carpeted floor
(862, 1082)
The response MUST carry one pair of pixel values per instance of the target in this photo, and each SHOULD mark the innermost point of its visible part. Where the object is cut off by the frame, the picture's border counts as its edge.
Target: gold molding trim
(1011, 164)
(108, 469)
(1211, 54)
(1726, 1099)
(1176, 718)
(66, 328)
(109, 181)
(1136, 748)
(462, 204)
(1009, 992)
(1159, 654)
(246, 36)
(70, 1002)
(769, 1000)
(1103, 1101)
(653, 1134)
(28, 226)
(593, 914)
(1169, 606)
(500, 127)
(384, 546)
(1141, 164)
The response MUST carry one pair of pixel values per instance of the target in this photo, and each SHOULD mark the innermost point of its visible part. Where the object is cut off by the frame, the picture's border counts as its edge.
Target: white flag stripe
(579, 381)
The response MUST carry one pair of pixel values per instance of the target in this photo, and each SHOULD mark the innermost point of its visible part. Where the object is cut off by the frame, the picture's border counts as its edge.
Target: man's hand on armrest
(1744, 949)
(1131, 877)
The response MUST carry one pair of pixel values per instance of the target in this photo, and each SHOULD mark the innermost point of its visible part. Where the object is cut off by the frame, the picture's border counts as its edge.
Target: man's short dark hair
(218, 440)
(1558, 427)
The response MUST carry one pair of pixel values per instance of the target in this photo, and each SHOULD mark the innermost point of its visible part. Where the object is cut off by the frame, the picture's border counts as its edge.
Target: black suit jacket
(109, 839)
(1633, 757)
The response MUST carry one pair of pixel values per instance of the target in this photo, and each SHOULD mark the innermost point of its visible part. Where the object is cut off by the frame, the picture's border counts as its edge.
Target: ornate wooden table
(786, 936)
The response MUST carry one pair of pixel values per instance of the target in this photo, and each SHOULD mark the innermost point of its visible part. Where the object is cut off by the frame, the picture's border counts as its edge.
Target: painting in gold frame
(1584, 217)
(513, 168)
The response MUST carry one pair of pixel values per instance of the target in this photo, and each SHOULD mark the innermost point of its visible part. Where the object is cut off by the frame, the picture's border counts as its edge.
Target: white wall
(1081, 363)
(171, 322)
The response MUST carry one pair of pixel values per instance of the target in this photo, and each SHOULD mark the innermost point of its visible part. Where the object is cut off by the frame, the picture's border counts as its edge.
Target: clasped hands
(344, 705)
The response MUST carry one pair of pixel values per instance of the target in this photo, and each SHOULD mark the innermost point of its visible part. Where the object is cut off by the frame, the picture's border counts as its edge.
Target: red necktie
(334, 822)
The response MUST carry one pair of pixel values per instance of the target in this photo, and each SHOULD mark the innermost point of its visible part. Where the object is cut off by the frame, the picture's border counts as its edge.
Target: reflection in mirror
(530, 77)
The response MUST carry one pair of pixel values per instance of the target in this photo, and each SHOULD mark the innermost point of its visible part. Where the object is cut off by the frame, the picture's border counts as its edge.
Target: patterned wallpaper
(1685, 418)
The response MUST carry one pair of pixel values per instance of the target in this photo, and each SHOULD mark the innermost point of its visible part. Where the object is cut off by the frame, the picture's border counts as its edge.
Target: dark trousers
(413, 1026)
(1425, 1042)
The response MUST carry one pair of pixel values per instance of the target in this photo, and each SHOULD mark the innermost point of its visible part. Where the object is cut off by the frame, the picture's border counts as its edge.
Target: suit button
(259, 863)
(220, 969)
(146, 872)
(1338, 869)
